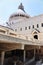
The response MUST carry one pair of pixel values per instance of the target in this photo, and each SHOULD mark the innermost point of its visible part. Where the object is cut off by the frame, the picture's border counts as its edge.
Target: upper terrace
(10, 40)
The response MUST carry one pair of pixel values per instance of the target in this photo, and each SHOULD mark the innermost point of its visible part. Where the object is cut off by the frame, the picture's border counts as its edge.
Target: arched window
(2, 31)
(36, 36)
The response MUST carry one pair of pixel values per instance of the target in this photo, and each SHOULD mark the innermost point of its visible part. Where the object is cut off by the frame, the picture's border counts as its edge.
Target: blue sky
(7, 7)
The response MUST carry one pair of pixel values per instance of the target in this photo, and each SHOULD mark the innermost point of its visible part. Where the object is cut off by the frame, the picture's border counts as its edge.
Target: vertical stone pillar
(2, 57)
(34, 53)
(24, 58)
(15, 63)
(22, 46)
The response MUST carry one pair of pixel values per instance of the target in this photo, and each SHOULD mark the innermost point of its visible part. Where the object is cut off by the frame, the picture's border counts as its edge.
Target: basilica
(21, 40)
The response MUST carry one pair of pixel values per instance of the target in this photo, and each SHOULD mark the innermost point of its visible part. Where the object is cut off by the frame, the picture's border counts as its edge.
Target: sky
(8, 7)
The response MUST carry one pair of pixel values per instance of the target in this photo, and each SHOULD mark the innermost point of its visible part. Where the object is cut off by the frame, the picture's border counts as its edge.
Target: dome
(20, 12)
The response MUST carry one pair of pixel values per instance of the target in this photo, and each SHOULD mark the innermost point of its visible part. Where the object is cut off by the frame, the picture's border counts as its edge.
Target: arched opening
(36, 36)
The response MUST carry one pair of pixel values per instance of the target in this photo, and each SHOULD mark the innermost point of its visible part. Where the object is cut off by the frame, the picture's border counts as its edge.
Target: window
(12, 22)
(12, 34)
(37, 26)
(25, 28)
(20, 29)
(29, 27)
(33, 26)
(15, 29)
(2, 31)
(42, 24)
(36, 36)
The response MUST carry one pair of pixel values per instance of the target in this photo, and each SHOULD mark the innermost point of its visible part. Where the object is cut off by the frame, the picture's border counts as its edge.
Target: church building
(22, 37)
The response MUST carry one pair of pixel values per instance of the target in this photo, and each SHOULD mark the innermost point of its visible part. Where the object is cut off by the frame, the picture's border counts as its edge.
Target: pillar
(34, 53)
(24, 58)
(2, 57)
(22, 46)
(15, 63)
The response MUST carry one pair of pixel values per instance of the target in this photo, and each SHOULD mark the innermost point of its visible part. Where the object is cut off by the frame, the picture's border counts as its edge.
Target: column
(22, 46)
(15, 63)
(2, 57)
(24, 58)
(34, 53)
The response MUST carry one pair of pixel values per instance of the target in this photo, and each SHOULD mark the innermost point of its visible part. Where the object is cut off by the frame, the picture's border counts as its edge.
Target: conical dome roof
(20, 12)
(21, 7)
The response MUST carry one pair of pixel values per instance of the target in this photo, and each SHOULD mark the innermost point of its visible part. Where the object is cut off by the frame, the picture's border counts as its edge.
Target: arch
(35, 31)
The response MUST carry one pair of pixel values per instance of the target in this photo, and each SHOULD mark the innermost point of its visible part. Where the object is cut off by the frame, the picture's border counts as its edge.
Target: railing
(10, 39)
(16, 37)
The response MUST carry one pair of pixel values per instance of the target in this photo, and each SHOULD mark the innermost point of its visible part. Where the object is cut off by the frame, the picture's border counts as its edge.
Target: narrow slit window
(33, 26)
(15, 30)
(25, 28)
(20, 29)
(42, 24)
(37, 26)
(29, 27)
